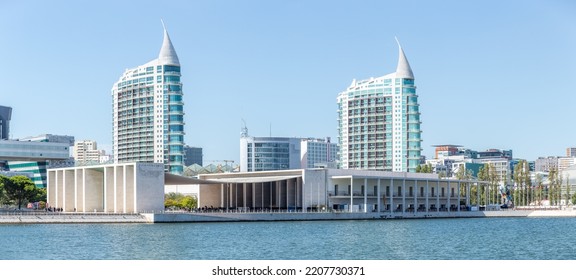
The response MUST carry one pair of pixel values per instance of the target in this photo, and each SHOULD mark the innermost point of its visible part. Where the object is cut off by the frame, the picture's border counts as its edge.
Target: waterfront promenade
(28, 217)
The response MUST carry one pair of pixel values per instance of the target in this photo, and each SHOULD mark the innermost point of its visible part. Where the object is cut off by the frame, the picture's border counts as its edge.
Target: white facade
(148, 113)
(379, 122)
(342, 190)
(86, 151)
(113, 188)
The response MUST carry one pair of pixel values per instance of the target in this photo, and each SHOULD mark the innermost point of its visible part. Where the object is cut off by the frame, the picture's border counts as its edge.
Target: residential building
(545, 164)
(86, 152)
(193, 155)
(379, 122)
(148, 112)
(449, 158)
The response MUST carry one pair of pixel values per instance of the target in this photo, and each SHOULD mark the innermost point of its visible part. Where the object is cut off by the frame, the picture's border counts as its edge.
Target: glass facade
(148, 113)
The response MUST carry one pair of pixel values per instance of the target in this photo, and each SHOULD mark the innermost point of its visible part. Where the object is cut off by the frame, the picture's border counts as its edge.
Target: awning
(172, 179)
(258, 179)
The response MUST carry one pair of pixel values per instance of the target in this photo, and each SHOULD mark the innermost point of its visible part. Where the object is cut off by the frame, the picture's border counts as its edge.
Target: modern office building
(269, 153)
(36, 154)
(281, 153)
(193, 155)
(315, 152)
(148, 112)
(5, 117)
(379, 122)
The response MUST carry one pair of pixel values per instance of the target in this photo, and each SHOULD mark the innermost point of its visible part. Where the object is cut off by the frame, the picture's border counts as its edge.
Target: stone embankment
(23, 217)
(176, 217)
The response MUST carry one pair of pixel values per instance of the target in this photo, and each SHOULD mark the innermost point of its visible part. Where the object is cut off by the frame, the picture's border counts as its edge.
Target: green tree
(539, 189)
(464, 174)
(522, 184)
(554, 182)
(180, 201)
(19, 189)
(3, 197)
(488, 174)
(188, 202)
(568, 195)
(424, 168)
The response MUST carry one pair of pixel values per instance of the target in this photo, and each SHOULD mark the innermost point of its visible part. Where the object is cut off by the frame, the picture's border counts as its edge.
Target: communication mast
(244, 130)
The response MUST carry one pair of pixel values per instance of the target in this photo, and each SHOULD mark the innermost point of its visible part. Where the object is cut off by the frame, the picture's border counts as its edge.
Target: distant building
(86, 152)
(281, 153)
(545, 164)
(316, 153)
(379, 122)
(193, 155)
(148, 112)
(269, 153)
(571, 152)
(449, 158)
(37, 154)
(5, 116)
(495, 153)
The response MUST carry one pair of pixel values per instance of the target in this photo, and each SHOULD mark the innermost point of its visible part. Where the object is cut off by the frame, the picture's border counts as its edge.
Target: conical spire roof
(167, 53)
(403, 69)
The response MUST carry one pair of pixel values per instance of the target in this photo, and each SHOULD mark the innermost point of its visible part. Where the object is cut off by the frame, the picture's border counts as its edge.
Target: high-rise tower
(148, 112)
(379, 122)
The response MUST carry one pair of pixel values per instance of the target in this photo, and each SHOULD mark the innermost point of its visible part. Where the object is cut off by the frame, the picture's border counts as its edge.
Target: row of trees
(18, 190)
(523, 192)
(179, 201)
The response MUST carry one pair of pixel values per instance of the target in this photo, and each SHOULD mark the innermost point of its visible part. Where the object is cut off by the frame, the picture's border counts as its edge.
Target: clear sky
(490, 74)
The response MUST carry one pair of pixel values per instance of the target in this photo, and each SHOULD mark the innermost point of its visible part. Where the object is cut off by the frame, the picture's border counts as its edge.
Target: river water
(407, 239)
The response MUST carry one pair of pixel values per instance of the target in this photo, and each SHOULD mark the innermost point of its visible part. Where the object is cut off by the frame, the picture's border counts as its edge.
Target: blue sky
(490, 74)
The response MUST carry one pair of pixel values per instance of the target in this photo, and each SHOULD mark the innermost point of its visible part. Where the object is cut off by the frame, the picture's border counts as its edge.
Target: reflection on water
(426, 239)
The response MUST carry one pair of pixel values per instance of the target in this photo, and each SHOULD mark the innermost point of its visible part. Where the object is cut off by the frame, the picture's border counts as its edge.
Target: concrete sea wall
(243, 217)
(185, 217)
(69, 218)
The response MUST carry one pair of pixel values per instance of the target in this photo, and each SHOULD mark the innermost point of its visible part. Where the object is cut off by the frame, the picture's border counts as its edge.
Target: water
(422, 239)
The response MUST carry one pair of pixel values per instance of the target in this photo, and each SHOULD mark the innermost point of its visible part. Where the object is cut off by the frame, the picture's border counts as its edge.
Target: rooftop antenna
(270, 129)
(244, 130)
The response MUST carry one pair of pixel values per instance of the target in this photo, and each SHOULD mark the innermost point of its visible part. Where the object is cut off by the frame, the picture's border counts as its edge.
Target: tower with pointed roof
(148, 112)
(379, 122)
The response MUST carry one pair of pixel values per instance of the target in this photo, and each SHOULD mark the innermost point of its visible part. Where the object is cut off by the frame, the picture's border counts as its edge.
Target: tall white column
(365, 195)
